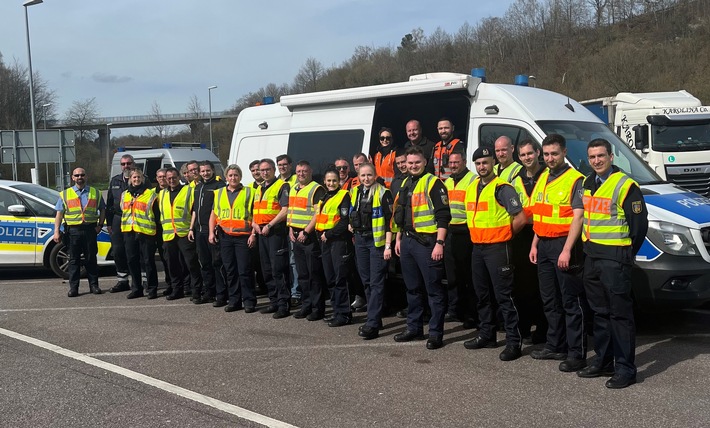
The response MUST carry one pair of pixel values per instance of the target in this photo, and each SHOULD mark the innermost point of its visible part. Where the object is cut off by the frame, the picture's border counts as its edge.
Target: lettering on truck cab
(626, 129)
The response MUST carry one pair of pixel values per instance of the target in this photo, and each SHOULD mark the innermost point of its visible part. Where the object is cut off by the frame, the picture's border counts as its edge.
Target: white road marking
(364, 344)
(157, 383)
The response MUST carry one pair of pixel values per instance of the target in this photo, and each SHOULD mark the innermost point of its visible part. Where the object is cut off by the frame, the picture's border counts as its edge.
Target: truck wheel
(59, 261)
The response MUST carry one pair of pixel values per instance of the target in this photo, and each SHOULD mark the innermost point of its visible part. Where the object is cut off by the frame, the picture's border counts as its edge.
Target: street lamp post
(108, 148)
(34, 173)
(209, 96)
(44, 113)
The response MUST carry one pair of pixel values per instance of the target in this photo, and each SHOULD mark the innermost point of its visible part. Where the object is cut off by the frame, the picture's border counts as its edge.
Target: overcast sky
(128, 53)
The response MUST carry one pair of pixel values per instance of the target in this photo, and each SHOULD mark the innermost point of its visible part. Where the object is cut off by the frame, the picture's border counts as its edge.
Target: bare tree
(15, 97)
(308, 76)
(194, 110)
(160, 130)
(81, 115)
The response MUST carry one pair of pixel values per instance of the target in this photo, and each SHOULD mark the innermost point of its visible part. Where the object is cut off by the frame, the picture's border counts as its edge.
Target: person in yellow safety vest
(300, 219)
(140, 215)
(81, 208)
(493, 215)
(331, 222)
(284, 165)
(557, 209)
(421, 219)
(175, 214)
(525, 287)
(233, 213)
(615, 226)
(370, 215)
(444, 148)
(270, 206)
(384, 157)
(507, 168)
(457, 251)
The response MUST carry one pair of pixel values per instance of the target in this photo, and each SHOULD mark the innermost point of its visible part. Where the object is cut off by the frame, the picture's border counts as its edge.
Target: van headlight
(672, 238)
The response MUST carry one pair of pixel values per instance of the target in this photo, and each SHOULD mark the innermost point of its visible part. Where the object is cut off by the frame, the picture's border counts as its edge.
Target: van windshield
(579, 134)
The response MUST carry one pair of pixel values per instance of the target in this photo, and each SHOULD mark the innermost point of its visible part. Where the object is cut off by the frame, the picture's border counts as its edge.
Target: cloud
(110, 78)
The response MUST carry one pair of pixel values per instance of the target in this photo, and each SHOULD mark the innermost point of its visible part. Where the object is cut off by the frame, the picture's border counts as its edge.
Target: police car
(27, 228)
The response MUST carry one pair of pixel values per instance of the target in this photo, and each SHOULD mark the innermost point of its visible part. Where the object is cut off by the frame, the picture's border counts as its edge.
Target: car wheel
(59, 261)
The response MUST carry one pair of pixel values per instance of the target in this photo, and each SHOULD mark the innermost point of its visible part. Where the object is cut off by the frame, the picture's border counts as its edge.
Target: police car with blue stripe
(27, 226)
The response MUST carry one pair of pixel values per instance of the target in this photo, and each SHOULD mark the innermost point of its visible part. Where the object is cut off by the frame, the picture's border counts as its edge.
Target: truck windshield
(679, 137)
(579, 134)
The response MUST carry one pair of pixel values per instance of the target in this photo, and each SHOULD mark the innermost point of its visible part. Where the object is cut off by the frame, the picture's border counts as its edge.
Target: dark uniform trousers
(492, 269)
(372, 266)
(562, 293)
(309, 268)
(526, 289)
(457, 260)
(608, 287)
(118, 249)
(422, 273)
(274, 255)
(140, 249)
(211, 267)
(337, 256)
(82, 240)
(161, 253)
(236, 254)
(182, 261)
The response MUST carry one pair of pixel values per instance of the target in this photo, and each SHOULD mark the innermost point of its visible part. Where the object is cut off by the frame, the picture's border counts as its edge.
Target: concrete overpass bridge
(102, 123)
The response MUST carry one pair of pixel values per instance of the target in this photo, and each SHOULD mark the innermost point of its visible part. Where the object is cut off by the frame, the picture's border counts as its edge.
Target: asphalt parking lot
(102, 360)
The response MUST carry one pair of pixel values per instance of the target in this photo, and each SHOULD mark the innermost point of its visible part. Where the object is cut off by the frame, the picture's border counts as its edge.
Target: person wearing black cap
(421, 217)
(493, 215)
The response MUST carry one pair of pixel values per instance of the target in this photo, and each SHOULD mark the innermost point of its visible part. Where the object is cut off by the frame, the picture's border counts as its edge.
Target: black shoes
(134, 295)
(434, 343)
(95, 290)
(408, 336)
(120, 286)
(72, 293)
(281, 313)
(359, 304)
(210, 299)
(572, 365)
(314, 316)
(168, 291)
(152, 295)
(619, 381)
(510, 353)
(217, 303)
(198, 300)
(339, 322)
(449, 317)
(368, 333)
(478, 343)
(269, 309)
(295, 302)
(303, 313)
(249, 309)
(402, 313)
(546, 354)
(596, 371)
(175, 296)
(230, 308)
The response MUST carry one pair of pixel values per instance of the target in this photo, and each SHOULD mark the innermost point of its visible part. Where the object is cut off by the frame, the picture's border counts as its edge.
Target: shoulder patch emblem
(514, 202)
(636, 207)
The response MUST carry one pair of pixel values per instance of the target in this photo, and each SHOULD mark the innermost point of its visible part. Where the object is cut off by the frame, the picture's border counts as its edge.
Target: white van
(672, 267)
(151, 160)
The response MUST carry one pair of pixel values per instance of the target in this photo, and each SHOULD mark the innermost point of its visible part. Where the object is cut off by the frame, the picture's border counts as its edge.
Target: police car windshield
(579, 134)
(39, 192)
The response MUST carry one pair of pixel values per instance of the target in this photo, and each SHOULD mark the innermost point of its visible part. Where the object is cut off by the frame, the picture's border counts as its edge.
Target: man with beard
(444, 148)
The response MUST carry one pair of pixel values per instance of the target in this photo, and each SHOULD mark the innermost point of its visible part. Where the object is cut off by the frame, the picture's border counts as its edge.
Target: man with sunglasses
(81, 208)
(118, 184)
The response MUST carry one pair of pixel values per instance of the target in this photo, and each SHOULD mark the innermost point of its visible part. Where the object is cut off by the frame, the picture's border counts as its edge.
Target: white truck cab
(673, 266)
(669, 130)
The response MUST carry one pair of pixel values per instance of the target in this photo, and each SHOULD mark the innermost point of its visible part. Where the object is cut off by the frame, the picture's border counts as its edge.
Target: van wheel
(59, 261)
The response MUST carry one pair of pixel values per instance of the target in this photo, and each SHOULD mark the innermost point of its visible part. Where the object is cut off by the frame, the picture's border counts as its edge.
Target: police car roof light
(167, 145)
(267, 100)
(480, 73)
(521, 79)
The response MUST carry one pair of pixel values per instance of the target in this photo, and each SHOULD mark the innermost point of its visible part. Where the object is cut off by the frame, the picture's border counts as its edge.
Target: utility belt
(425, 239)
(363, 233)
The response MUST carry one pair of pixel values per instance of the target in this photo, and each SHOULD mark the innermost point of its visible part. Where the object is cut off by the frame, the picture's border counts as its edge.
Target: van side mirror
(17, 210)
(641, 137)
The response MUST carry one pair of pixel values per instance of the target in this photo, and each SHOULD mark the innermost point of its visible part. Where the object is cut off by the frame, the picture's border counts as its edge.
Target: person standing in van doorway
(444, 148)
(81, 208)
(118, 185)
(300, 218)
(284, 163)
(211, 267)
(416, 138)
(384, 158)
(507, 168)
(175, 213)
(270, 208)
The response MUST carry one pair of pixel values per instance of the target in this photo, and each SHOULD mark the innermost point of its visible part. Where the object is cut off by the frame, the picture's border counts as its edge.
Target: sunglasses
(79, 175)
(341, 168)
(126, 163)
(385, 138)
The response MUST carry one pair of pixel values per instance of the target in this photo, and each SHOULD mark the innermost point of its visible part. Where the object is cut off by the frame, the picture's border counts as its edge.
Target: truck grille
(698, 183)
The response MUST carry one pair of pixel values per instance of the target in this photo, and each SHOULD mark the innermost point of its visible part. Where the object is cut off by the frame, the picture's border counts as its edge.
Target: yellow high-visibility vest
(266, 205)
(137, 212)
(301, 208)
(509, 172)
(457, 196)
(604, 217)
(74, 213)
(551, 203)
(488, 221)
(378, 216)
(234, 219)
(175, 218)
(328, 214)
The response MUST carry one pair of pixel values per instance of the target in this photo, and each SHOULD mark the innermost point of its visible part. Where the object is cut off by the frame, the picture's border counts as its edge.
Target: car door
(18, 233)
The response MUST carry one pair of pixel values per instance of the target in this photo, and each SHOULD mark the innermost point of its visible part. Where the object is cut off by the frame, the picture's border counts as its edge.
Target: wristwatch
(440, 242)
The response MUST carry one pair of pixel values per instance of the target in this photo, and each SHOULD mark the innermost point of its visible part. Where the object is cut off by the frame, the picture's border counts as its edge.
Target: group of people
(519, 244)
